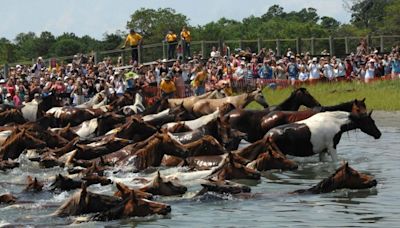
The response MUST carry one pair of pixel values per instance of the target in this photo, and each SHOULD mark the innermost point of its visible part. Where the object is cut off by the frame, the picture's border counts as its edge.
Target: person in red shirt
(349, 68)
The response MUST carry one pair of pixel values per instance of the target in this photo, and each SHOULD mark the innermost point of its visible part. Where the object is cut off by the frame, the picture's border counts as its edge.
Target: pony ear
(60, 176)
(84, 189)
(363, 100)
(121, 187)
(29, 179)
(370, 113)
(159, 175)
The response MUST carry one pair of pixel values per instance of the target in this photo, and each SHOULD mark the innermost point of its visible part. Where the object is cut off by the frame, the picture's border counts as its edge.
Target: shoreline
(382, 95)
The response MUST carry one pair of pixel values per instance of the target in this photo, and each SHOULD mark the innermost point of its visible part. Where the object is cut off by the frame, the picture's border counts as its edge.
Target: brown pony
(33, 185)
(133, 206)
(67, 133)
(7, 198)
(222, 187)
(124, 192)
(344, 177)
(252, 151)
(150, 153)
(229, 169)
(8, 164)
(11, 116)
(136, 129)
(17, 142)
(164, 188)
(272, 159)
(84, 202)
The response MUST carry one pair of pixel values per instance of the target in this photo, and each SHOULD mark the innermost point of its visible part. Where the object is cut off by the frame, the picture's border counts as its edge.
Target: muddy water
(272, 206)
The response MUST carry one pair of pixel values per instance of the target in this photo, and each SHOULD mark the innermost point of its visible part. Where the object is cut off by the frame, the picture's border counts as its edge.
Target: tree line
(375, 17)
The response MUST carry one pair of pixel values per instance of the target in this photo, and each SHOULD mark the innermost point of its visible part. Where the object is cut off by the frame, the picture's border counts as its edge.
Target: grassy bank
(380, 95)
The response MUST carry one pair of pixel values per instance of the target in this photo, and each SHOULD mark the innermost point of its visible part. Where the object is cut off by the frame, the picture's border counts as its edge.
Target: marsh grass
(380, 95)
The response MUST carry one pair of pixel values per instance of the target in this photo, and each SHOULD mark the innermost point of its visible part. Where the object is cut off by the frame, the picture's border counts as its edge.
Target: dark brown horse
(133, 206)
(124, 192)
(248, 121)
(220, 129)
(164, 188)
(74, 116)
(222, 187)
(66, 132)
(277, 118)
(344, 177)
(63, 183)
(17, 142)
(8, 164)
(229, 169)
(11, 116)
(33, 184)
(84, 202)
(272, 159)
(147, 153)
(7, 198)
(126, 99)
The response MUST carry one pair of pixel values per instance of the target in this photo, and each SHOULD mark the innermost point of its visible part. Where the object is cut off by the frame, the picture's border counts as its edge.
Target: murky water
(377, 207)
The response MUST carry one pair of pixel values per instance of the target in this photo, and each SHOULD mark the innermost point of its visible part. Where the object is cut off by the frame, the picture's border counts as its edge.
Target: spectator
(199, 82)
(167, 87)
(37, 67)
(315, 70)
(293, 70)
(370, 71)
(134, 40)
(171, 39)
(395, 63)
(186, 39)
(265, 72)
(9, 101)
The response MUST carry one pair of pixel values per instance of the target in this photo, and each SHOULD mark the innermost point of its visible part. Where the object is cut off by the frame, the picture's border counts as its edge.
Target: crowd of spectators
(78, 81)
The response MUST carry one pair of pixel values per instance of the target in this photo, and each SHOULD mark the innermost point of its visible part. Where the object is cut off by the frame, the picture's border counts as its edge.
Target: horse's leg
(332, 152)
(322, 156)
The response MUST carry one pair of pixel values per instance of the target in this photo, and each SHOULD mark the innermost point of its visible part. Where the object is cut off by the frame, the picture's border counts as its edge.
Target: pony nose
(378, 135)
(374, 182)
(294, 167)
(168, 209)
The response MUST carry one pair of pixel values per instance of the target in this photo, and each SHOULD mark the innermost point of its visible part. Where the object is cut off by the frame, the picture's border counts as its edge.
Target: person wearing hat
(293, 70)
(37, 67)
(265, 72)
(134, 40)
(171, 38)
(315, 70)
(167, 87)
(9, 100)
(370, 71)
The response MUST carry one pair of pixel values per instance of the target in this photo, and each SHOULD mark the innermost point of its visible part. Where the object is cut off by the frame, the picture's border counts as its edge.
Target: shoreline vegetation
(380, 95)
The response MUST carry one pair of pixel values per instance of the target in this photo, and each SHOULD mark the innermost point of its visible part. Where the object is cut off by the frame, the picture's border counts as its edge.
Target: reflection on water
(270, 206)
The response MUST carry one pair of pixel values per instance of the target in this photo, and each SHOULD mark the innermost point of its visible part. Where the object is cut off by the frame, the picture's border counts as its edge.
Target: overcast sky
(96, 17)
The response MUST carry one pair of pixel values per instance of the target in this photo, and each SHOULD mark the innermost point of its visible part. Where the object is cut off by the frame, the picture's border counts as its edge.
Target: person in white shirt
(370, 71)
(328, 70)
(315, 70)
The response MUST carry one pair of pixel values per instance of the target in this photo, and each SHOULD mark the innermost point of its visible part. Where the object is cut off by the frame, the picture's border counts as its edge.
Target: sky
(97, 17)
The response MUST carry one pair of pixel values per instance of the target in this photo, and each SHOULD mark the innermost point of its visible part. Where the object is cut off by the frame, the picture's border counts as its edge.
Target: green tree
(329, 23)
(392, 18)
(67, 47)
(154, 24)
(368, 14)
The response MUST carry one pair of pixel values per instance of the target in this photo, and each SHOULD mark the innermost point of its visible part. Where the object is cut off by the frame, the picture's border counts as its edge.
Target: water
(375, 207)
